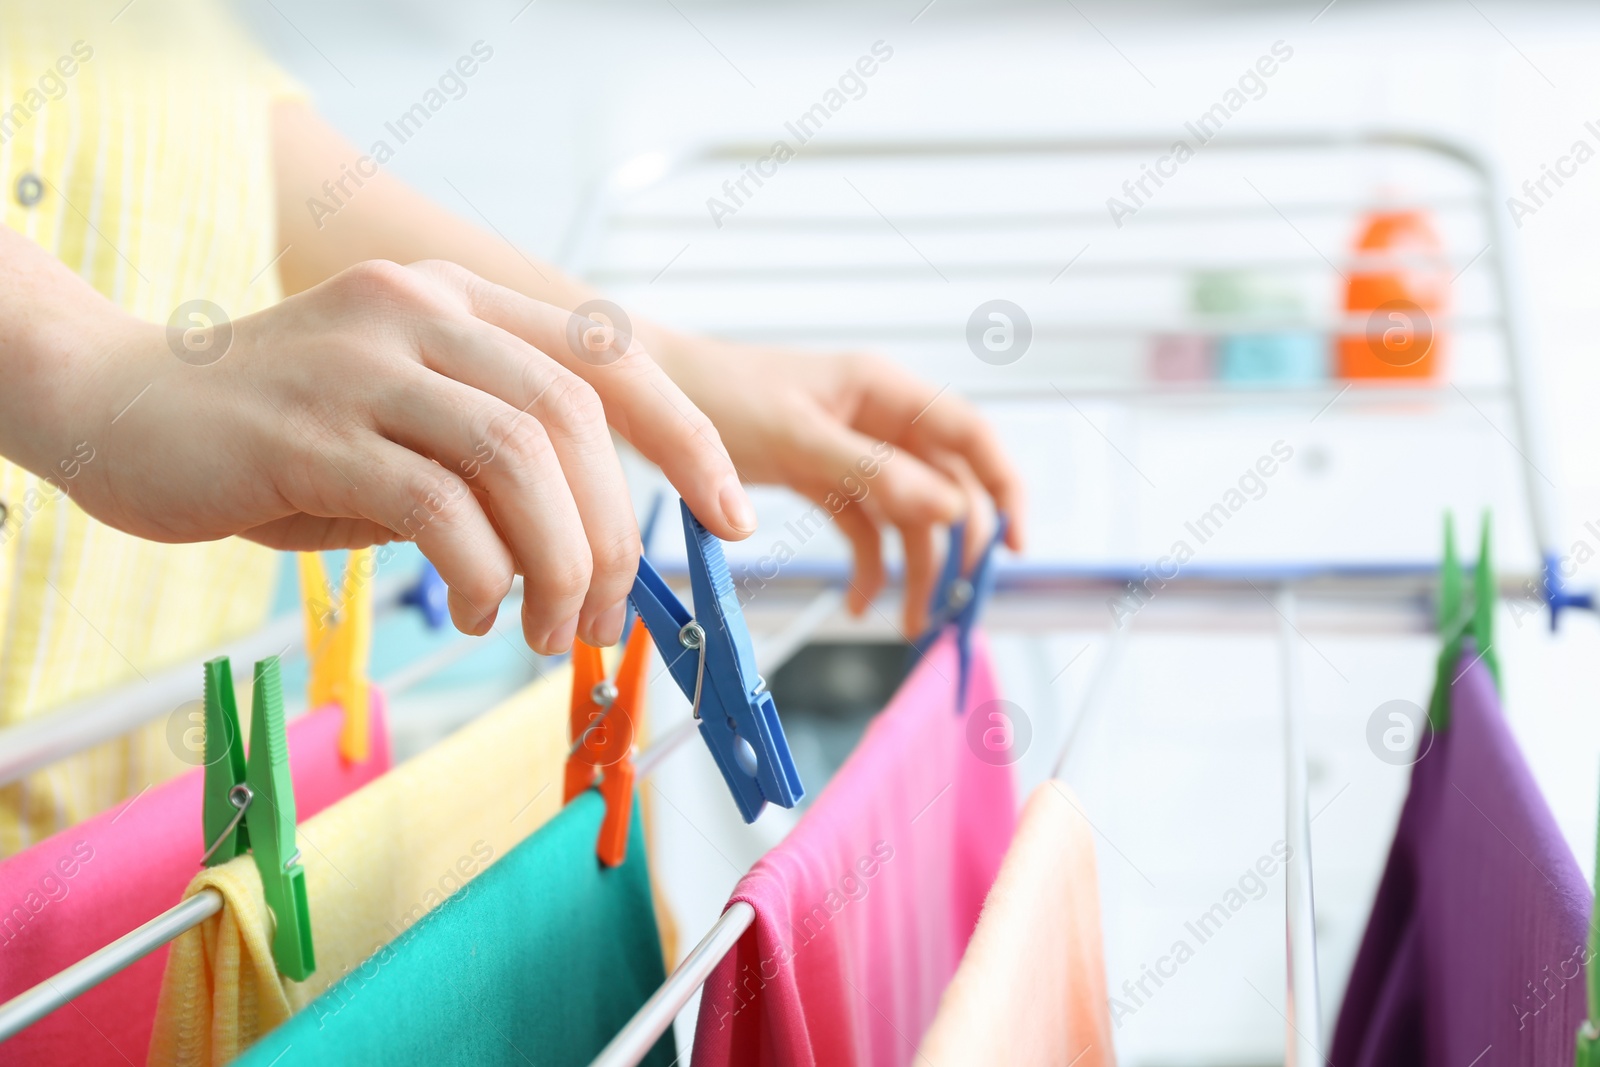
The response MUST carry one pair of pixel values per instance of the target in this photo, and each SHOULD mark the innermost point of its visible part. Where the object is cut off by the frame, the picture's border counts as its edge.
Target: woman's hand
(859, 430)
(416, 403)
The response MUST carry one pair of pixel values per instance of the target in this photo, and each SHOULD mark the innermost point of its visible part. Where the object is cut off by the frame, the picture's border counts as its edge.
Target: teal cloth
(540, 960)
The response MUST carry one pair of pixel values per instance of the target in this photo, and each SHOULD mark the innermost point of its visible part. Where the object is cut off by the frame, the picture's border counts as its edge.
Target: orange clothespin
(604, 714)
(339, 644)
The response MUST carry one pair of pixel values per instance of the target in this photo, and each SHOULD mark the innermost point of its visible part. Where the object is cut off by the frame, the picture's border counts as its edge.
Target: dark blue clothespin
(711, 658)
(647, 536)
(429, 596)
(958, 601)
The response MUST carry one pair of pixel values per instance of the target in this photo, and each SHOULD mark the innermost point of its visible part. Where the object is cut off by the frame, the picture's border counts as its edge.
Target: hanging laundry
(1475, 949)
(375, 863)
(78, 891)
(1031, 989)
(540, 960)
(864, 910)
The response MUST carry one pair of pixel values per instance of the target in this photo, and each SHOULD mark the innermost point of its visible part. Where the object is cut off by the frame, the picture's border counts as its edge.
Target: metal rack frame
(1336, 593)
(1346, 595)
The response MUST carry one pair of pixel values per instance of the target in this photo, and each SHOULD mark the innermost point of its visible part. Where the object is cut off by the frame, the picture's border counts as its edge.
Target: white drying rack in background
(890, 247)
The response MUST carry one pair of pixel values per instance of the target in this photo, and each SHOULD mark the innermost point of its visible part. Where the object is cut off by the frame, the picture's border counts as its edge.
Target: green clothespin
(1588, 1053)
(1456, 622)
(1484, 595)
(249, 805)
(223, 811)
(1452, 627)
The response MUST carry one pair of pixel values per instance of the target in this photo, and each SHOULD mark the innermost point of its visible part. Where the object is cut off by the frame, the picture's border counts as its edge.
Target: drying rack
(889, 246)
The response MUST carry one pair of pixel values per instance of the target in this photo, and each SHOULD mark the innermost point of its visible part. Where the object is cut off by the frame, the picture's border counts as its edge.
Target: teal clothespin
(1456, 621)
(249, 805)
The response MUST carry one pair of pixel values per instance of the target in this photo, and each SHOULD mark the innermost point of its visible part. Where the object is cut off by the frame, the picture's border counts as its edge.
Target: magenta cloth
(864, 910)
(1475, 948)
(98, 880)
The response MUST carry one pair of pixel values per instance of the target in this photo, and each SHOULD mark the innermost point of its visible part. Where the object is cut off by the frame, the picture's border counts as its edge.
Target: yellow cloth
(147, 138)
(1031, 987)
(375, 863)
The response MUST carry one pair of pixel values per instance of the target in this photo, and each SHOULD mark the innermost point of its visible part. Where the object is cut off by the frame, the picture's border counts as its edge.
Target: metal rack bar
(635, 1040)
(28, 1007)
(83, 724)
(1304, 1036)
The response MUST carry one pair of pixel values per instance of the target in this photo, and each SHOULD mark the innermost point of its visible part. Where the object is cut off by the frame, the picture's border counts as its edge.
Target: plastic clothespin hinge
(430, 596)
(738, 719)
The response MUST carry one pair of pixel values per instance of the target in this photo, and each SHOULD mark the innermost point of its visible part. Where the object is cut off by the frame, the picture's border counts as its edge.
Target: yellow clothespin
(339, 644)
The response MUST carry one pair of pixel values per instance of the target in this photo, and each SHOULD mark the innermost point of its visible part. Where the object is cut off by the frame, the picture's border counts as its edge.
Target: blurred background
(1155, 341)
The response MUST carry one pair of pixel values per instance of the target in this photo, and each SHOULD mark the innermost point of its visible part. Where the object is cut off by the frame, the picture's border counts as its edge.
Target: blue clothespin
(647, 536)
(958, 601)
(430, 596)
(711, 658)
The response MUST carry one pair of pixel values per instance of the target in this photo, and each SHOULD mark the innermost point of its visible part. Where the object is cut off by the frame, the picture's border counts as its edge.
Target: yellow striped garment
(135, 146)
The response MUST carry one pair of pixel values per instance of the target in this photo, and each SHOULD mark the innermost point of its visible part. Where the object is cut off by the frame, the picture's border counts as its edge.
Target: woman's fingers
(418, 500)
(866, 546)
(313, 533)
(507, 395)
(899, 407)
(641, 402)
(892, 487)
(922, 568)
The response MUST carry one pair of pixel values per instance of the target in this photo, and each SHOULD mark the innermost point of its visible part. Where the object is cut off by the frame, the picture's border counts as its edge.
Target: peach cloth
(1031, 988)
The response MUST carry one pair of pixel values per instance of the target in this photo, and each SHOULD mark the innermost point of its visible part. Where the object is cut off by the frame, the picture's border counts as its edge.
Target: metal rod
(30, 1006)
(1094, 695)
(1540, 472)
(771, 652)
(888, 330)
(1304, 1037)
(83, 724)
(635, 1040)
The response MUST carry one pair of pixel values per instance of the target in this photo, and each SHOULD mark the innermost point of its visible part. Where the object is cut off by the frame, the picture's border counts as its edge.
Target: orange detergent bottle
(1398, 299)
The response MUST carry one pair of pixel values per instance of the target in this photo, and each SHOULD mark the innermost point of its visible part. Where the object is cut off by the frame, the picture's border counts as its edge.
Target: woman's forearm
(333, 214)
(57, 336)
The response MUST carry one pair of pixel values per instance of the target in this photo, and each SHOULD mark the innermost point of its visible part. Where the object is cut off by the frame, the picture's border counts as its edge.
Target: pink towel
(864, 910)
(89, 884)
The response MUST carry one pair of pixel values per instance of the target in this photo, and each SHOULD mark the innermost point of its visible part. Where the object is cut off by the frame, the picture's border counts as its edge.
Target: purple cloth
(1475, 949)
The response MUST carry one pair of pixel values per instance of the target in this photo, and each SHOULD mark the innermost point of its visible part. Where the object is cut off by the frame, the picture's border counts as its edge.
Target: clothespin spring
(693, 636)
(240, 797)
